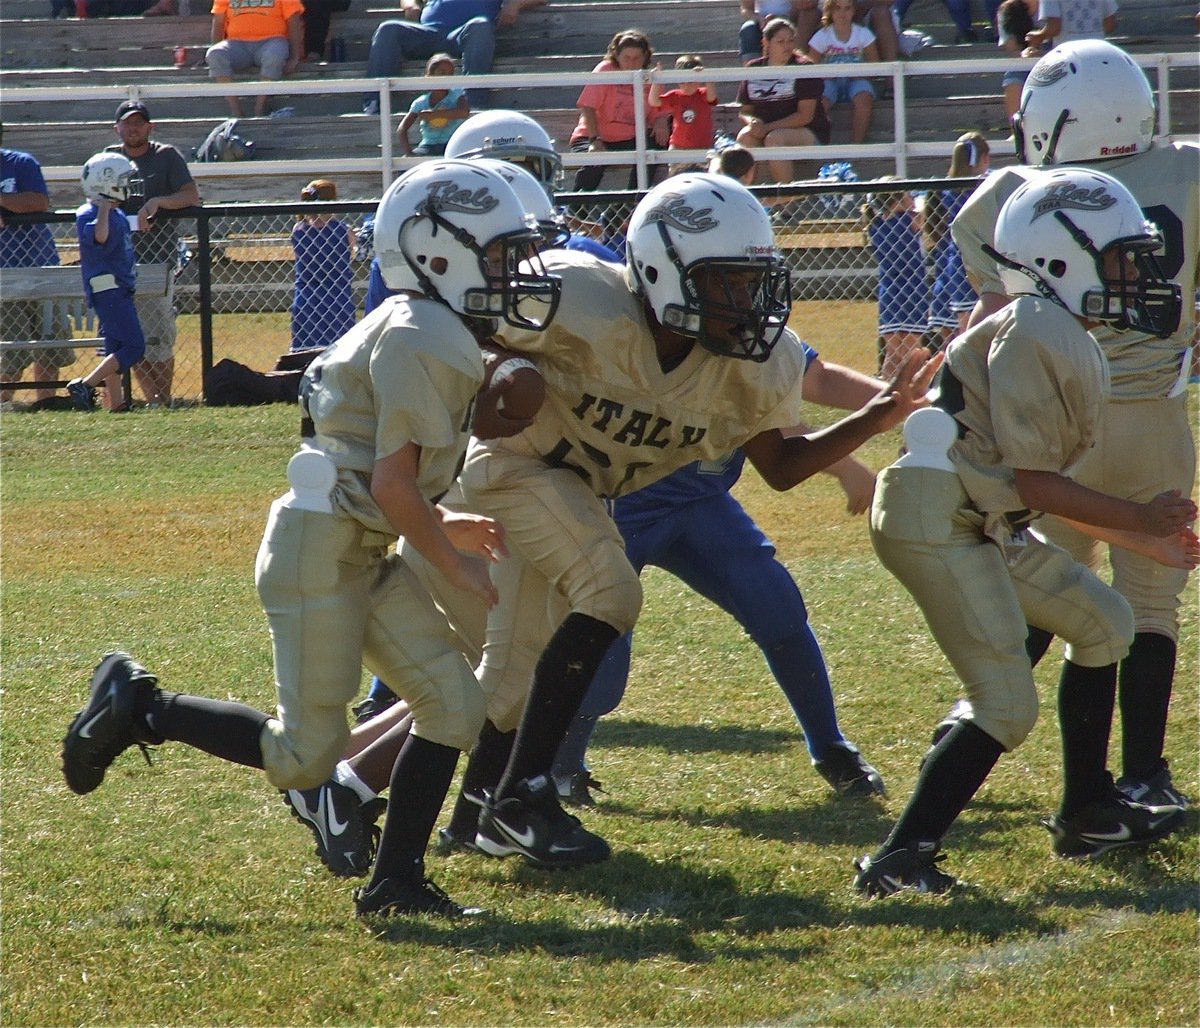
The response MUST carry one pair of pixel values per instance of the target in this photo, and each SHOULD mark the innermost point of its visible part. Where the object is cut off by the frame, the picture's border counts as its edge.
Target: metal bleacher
(60, 81)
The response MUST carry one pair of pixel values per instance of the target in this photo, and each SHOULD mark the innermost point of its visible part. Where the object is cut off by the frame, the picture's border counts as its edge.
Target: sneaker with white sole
(106, 727)
(907, 867)
(1156, 790)
(1109, 824)
(342, 824)
(533, 824)
(847, 770)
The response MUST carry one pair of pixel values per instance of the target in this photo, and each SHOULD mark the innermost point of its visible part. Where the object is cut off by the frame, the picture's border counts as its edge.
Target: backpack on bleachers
(224, 144)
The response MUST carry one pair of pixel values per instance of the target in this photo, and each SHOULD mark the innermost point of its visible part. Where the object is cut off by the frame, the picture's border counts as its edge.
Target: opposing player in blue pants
(689, 525)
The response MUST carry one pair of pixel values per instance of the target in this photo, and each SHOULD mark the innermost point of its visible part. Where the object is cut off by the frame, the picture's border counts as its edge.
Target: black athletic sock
(560, 681)
(1144, 689)
(955, 769)
(420, 778)
(488, 760)
(1037, 642)
(1086, 696)
(225, 729)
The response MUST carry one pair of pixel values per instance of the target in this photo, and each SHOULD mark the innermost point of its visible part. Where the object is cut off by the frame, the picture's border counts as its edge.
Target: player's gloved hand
(1167, 513)
(474, 533)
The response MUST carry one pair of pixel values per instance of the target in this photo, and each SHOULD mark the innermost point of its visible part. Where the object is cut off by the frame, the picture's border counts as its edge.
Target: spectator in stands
(436, 114)
(781, 112)
(1015, 20)
(1066, 20)
(23, 191)
(952, 299)
(318, 15)
(874, 14)
(167, 186)
(606, 112)
(690, 108)
(894, 229)
(960, 14)
(756, 14)
(323, 304)
(841, 40)
(109, 271)
(464, 28)
(263, 34)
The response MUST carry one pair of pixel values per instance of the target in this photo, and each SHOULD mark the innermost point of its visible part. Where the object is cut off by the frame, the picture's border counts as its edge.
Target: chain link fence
(255, 281)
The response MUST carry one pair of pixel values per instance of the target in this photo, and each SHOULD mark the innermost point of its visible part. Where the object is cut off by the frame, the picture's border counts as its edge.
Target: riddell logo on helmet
(1068, 196)
(1117, 151)
(674, 210)
(445, 195)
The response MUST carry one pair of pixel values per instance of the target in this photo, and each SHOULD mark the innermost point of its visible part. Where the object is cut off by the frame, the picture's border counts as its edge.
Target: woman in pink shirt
(606, 113)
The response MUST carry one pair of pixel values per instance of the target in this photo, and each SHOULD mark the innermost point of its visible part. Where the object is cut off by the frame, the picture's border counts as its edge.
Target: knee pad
(614, 596)
(1006, 710)
(450, 708)
(304, 756)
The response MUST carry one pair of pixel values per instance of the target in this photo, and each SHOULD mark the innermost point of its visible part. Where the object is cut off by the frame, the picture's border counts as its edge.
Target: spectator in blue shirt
(23, 191)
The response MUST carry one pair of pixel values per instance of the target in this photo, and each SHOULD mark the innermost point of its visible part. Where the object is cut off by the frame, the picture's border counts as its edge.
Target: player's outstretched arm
(1180, 550)
(786, 461)
(1052, 493)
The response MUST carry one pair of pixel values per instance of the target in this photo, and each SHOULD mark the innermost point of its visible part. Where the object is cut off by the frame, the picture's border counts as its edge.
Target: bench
(60, 292)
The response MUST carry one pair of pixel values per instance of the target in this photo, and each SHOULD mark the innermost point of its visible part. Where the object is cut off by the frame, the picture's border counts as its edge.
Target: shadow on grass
(639, 734)
(834, 821)
(659, 909)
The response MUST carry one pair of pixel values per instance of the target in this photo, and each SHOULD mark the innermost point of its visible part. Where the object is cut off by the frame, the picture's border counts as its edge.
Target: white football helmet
(513, 137)
(551, 221)
(111, 176)
(1086, 100)
(1051, 237)
(433, 231)
(691, 241)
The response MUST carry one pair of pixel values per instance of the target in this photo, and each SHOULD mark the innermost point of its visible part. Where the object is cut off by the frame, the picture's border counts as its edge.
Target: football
(517, 379)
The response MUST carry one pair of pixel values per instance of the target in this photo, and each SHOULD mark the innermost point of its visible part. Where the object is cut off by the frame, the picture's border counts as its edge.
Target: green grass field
(183, 894)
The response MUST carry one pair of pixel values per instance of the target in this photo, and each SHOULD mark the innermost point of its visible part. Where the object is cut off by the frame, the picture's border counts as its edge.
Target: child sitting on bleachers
(840, 40)
(436, 114)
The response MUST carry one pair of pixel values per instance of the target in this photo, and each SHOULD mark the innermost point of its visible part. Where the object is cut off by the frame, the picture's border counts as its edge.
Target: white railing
(388, 164)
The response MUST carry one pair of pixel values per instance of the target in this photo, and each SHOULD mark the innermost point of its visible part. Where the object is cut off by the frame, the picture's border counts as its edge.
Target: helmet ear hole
(651, 274)
(1057, 268)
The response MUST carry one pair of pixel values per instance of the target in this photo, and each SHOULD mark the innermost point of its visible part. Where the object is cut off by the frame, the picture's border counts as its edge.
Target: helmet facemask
(513, 284)
(715, 310)
(1149, 303)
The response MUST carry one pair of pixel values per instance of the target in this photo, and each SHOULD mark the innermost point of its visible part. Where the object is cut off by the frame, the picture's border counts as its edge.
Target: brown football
(518, 380)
